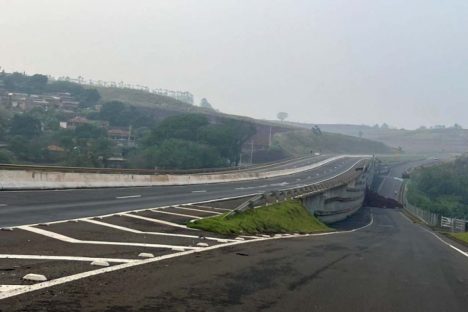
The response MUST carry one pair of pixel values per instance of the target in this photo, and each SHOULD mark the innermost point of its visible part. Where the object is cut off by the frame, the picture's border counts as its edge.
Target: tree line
(442, 189)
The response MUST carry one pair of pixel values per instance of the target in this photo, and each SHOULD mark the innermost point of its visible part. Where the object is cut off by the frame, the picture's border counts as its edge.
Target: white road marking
(201, 191)
(126, 229)
(175, 214)
(158, 221)
(437, 236)
(66, 279)
(201, 206)
(199, 210)
(3, 205)
(129, 196)
(89, 242)
(6, 288)
(66, 258)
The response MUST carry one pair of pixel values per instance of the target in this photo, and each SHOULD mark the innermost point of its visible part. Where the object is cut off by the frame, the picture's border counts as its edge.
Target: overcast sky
(404, 62)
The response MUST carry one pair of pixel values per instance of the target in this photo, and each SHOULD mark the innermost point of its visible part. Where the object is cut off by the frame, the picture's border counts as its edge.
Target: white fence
(434, 219)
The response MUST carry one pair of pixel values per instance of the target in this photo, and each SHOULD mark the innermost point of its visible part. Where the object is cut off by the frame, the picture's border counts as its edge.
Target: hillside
(301, 142)
(445, 140)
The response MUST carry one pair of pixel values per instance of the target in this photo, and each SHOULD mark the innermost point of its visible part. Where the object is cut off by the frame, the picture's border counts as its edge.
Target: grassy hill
(301, 142)
(425, 141)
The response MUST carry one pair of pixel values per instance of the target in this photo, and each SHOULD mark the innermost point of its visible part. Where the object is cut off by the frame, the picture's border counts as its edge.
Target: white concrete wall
(30, 179)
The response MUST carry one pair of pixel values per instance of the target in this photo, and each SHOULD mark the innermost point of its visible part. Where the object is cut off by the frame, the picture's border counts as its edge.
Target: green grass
(285, 217)
(460, 236)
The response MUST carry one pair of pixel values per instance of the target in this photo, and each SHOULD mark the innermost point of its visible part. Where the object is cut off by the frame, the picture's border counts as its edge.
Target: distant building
(77, 121)
(120, 135)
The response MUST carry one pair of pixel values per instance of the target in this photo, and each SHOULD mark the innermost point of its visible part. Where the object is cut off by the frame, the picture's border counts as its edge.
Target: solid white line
(216, 208)
(448, 244)
(5, 288)
(127, 229)
(437, 236)
(66, 279)
(176, 214)
(157, 221)
(199, 210)
(88, 242)
(129, 196)
(66, 258)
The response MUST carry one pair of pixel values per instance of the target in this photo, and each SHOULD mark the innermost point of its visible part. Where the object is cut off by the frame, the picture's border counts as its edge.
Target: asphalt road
(25, 207)
(391, 265)
(392, 182)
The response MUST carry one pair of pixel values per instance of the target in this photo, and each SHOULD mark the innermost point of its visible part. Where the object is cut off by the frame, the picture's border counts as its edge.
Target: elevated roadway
(25, 207)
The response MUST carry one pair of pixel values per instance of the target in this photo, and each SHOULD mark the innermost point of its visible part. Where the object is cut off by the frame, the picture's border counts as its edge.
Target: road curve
(25, 207)
(392, 265)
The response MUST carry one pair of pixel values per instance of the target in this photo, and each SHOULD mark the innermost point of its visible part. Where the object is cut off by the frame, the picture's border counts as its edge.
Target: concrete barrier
(37, 179)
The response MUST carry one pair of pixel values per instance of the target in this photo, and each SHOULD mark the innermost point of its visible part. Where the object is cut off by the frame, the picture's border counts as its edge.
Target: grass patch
(460, 236)
(285, 217)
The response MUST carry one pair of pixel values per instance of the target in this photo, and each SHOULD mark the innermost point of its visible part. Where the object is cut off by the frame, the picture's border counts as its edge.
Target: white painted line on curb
(129, 196)
(66, 258)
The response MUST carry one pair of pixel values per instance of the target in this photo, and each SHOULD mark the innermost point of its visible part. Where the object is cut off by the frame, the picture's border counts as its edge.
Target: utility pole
(251, 151)
(269, 138)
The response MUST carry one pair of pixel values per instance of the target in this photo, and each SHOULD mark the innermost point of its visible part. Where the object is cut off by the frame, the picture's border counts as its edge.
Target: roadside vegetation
(51, 122)
(284, 217)
(460, 236)
(442, 189)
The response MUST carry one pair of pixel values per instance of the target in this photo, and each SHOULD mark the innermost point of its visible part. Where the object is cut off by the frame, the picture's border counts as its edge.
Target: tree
(282, 116)
(89, 97)
(360, 133)
(25, 125)
(316, 130)
(184, 127)
(181, 154)
(205, 104)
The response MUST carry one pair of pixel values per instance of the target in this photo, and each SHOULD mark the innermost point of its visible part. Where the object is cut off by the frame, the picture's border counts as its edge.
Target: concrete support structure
(338, 203)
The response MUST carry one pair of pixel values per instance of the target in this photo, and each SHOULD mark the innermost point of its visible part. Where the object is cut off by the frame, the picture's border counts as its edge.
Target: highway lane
(391, 265)
(24, 207)
(392, 182)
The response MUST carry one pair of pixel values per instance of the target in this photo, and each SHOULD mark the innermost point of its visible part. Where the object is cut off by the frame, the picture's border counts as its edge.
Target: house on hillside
(121, 136)
(77, 121)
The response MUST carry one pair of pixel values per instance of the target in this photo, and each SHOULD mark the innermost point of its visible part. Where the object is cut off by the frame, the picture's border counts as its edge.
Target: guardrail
(144, 171)
(263, 199)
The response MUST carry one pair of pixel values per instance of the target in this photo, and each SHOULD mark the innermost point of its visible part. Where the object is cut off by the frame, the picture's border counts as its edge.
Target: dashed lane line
(129, 196)
(126, 229)
(175, 214)
(65, 258)
(89, 242)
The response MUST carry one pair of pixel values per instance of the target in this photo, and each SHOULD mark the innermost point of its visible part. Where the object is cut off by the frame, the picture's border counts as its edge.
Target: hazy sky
(404, 62)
